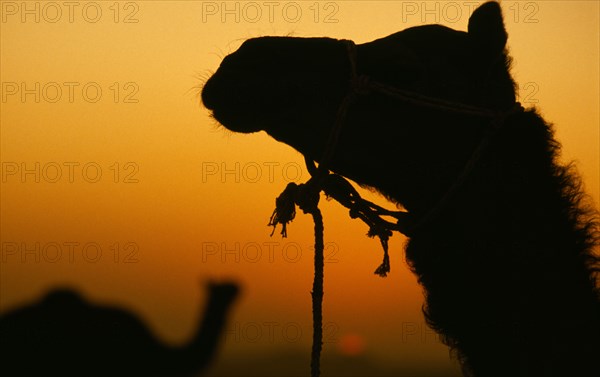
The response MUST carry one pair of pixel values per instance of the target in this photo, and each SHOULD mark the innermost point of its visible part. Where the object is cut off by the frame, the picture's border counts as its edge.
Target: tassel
(384, 235)
(285, 209)
(384, 268)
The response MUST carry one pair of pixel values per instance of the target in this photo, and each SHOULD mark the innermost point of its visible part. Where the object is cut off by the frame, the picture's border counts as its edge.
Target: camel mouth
(236, 123)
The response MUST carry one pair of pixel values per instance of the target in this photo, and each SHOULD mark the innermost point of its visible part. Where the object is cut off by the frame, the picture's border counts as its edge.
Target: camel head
(292, 89)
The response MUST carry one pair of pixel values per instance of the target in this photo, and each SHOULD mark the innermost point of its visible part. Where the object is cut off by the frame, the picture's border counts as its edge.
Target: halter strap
(362, 85)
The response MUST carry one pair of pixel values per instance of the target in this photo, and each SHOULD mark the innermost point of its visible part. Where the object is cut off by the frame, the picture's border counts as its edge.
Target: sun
(351, 345)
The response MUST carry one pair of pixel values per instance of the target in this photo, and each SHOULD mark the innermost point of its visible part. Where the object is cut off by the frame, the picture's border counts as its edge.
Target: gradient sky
(135, 197)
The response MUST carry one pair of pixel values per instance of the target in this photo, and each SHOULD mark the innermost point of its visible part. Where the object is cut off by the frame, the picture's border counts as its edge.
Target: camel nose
(215, 89)
(209, 94)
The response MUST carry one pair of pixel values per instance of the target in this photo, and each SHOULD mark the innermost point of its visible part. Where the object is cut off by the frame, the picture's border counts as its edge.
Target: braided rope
(317, 296)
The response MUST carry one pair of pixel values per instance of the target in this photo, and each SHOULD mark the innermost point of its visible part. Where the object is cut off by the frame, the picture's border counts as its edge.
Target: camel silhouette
(64, 335)
(506, 254)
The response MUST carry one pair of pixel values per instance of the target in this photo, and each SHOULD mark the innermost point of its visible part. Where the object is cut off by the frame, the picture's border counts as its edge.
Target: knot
(305, 195)
(308, 196)
(361, 85)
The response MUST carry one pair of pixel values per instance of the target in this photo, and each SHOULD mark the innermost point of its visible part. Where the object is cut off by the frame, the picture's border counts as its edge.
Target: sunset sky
(115, 180)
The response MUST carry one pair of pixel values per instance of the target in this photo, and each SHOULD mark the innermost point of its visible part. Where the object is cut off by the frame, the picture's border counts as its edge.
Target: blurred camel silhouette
(506, 251)
(64, 335)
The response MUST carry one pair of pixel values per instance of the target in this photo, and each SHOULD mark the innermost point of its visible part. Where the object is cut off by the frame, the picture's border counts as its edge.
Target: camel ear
(486, 29)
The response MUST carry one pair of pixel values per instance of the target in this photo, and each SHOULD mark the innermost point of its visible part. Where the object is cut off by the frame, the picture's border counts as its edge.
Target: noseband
(361, 85)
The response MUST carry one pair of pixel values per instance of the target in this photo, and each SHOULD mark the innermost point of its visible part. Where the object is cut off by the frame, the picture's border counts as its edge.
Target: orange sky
(170, 200)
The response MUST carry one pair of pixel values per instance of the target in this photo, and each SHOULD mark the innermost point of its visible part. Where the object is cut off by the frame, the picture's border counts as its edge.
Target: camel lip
(235, 124)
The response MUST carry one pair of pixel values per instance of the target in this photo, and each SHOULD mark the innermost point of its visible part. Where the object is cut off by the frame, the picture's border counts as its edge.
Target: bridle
(335, 186)
(306, 195)
(361, 85)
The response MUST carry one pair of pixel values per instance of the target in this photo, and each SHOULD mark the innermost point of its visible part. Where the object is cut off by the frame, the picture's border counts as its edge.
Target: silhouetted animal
(508, 262)
(64, 335)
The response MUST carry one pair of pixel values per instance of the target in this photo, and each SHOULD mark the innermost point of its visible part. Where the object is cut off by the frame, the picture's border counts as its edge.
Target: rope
(466, 172)
(306, 195)
(337, 187)
(317, 296)
(362, 85)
